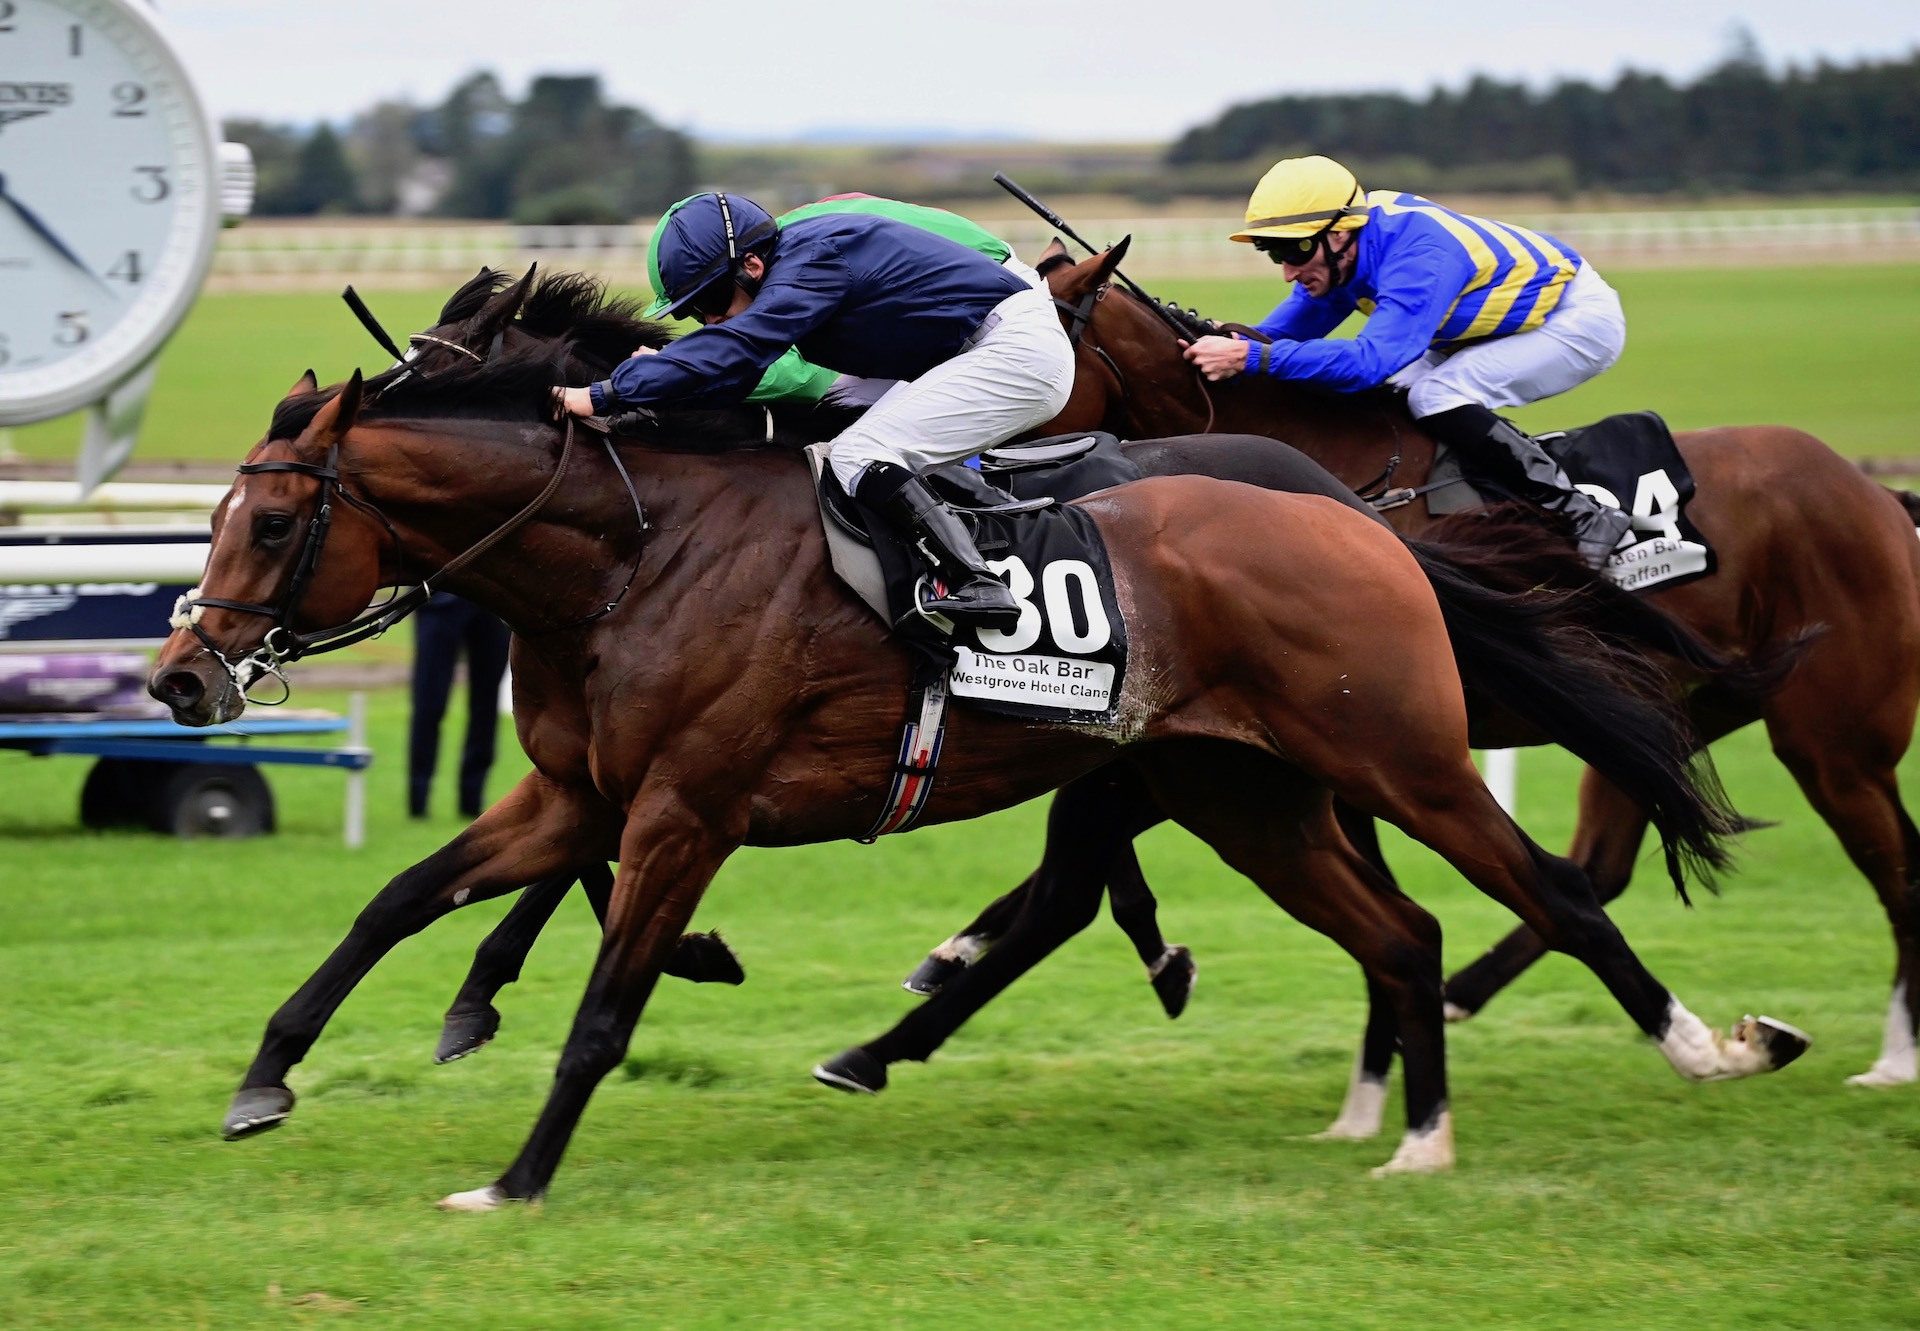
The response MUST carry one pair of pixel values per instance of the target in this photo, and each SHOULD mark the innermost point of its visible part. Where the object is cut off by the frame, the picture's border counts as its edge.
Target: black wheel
(211, 799)
(117, 792)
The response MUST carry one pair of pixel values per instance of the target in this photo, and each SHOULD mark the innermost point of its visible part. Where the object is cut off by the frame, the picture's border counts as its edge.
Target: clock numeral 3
(129, 96)
(128, 269)
(73, 328)
(153, 186)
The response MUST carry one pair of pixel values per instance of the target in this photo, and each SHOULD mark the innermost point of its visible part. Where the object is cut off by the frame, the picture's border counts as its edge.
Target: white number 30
(1059, 583)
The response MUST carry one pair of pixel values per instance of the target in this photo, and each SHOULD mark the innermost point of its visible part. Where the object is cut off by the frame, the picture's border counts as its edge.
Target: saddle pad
(1631, 462)
(1064, 660)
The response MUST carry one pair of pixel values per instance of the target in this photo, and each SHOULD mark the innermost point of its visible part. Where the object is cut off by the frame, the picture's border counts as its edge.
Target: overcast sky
(1105, 70)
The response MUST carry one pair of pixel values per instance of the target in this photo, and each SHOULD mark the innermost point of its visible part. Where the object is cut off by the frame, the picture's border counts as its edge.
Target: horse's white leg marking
(1699, 1053)
(1896, 1065)
(1428, 1150)
(489, 1198)
(1361, 1112)
(1454, 1012)
(963, 948)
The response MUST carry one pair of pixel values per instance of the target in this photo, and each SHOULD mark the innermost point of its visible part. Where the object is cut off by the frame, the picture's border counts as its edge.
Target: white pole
(356, 818)
(1502, 769)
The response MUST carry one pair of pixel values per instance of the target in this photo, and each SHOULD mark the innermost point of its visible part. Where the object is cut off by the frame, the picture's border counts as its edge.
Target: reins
(282, 645)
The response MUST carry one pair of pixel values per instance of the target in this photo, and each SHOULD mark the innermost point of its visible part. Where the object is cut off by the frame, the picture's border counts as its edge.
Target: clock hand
(46, 233)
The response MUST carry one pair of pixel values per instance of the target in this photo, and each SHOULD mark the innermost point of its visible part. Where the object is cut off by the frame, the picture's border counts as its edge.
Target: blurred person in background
(443, 628)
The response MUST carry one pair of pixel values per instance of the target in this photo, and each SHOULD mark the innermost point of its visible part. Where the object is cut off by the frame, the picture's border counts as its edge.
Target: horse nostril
(179, 688)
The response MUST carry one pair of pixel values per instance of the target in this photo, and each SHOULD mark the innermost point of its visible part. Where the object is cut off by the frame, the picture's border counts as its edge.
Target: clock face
(108, 199)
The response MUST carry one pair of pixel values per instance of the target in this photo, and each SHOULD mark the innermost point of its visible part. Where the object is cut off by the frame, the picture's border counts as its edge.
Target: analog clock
(109, 200)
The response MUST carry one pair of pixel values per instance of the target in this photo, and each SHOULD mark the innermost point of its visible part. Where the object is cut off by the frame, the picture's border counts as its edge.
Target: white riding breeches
(1583, 336)
(850, 390)
(1014, 373)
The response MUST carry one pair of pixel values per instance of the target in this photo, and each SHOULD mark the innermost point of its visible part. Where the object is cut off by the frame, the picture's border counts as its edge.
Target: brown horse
(1285, 650)
(1808, 547)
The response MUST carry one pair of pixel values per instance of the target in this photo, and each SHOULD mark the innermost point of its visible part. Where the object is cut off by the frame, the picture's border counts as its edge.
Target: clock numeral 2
(130, 96)
(73, 328)
(153, 187)
(128, 269)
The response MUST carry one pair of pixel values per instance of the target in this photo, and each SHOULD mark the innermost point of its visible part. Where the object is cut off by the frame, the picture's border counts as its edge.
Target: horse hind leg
(1170, 967)
(1455, 815)
(1277, 827)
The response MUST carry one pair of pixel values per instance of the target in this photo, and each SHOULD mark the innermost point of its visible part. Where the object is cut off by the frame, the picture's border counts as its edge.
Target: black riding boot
(1516, 461)
(975, 596)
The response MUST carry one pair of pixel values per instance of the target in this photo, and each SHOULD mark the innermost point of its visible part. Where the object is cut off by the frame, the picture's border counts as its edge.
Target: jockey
(1466, 314)
(982, 349)
(792, 378)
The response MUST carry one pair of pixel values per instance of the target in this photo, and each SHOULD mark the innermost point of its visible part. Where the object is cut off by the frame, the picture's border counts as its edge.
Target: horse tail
(1515, 547)
(1543, 656)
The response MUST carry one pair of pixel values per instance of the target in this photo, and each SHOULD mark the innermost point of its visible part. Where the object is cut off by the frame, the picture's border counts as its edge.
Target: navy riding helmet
(701, 241)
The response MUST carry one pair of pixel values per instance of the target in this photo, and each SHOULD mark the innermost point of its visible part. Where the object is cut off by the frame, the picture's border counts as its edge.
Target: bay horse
(1285, 650)
(1814, 560)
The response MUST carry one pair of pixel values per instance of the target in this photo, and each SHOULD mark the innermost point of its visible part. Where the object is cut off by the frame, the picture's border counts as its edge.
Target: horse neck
(449, 486)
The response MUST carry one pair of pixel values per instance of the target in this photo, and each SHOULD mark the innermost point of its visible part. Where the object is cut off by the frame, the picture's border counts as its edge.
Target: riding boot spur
(1516, 461)
(974, 595)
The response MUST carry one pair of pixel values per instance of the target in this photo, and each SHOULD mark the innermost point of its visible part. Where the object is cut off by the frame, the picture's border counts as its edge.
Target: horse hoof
(705, 959)
(1426, 1152)
(933, 975)
(465, 1032)
(1882, 1074)
(489, 1198)
(1173, 976)
(256, 1109)
(855, 1071)
(1781, 1042)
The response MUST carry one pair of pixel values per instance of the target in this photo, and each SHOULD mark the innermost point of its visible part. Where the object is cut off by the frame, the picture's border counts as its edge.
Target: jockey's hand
(644, 351)
(572, 401)
(1218, 357)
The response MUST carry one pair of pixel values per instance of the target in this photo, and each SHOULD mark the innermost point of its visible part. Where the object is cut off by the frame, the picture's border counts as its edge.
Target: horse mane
(576, 333)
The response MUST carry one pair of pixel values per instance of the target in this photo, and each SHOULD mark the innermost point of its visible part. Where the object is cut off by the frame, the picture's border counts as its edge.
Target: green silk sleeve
(793, 378)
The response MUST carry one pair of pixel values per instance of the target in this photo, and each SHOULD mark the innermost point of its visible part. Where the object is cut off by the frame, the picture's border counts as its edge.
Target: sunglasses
(712, 301)
(1295, 250)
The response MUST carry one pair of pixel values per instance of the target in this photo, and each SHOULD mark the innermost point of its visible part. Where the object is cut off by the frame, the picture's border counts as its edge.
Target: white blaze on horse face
(1428, 1150)
(1897, 1064)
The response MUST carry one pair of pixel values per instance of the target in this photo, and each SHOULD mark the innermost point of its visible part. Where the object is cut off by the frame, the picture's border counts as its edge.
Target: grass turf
(1071, 1159)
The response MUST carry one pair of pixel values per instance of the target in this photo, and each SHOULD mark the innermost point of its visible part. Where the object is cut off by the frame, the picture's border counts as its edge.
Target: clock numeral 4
(128, 269)
(73, 328)
(153, 185)
(130, 97)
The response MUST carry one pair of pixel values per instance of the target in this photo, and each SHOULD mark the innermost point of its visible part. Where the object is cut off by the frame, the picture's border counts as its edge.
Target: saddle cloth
(1065, 659)
(1630, 462)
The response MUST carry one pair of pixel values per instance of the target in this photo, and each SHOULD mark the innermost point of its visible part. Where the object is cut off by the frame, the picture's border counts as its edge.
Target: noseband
(282, 645)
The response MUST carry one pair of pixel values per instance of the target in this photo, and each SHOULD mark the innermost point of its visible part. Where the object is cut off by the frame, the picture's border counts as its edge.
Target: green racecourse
(1071, 1159)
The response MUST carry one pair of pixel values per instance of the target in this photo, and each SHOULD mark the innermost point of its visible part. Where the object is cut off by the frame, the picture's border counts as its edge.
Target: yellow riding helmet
(1304, 196)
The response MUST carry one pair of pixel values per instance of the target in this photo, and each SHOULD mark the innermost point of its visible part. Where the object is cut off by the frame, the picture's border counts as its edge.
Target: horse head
(262, 581)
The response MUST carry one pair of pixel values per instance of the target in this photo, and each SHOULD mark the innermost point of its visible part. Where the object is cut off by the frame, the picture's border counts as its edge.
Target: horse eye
(276, 527)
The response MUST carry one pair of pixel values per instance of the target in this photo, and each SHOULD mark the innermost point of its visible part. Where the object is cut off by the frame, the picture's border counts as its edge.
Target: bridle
(1078, 316)
(283, 645)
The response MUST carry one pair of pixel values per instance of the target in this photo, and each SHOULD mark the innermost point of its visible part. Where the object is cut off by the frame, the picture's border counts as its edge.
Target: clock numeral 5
(153, 186)
(129, 96)
(128, 269)
(73, 328)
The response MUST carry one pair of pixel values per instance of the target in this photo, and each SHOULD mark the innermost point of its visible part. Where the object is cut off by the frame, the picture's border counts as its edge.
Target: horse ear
(336, 417)
(1111, 259)
(498, 312)
(304, 385)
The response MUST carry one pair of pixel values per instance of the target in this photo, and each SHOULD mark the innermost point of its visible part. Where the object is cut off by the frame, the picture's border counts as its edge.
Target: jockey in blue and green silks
(793, 378)
(1465, 313)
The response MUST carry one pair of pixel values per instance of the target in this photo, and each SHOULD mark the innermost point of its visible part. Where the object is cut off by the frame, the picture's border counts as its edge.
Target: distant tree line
(1738, 127)
(562, 154)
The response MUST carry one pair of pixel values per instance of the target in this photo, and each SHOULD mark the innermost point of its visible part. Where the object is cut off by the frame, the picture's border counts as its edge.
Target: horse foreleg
(533, 832)
(1170, 968)
(668, 856)
(965, 947)
(1088, 819)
